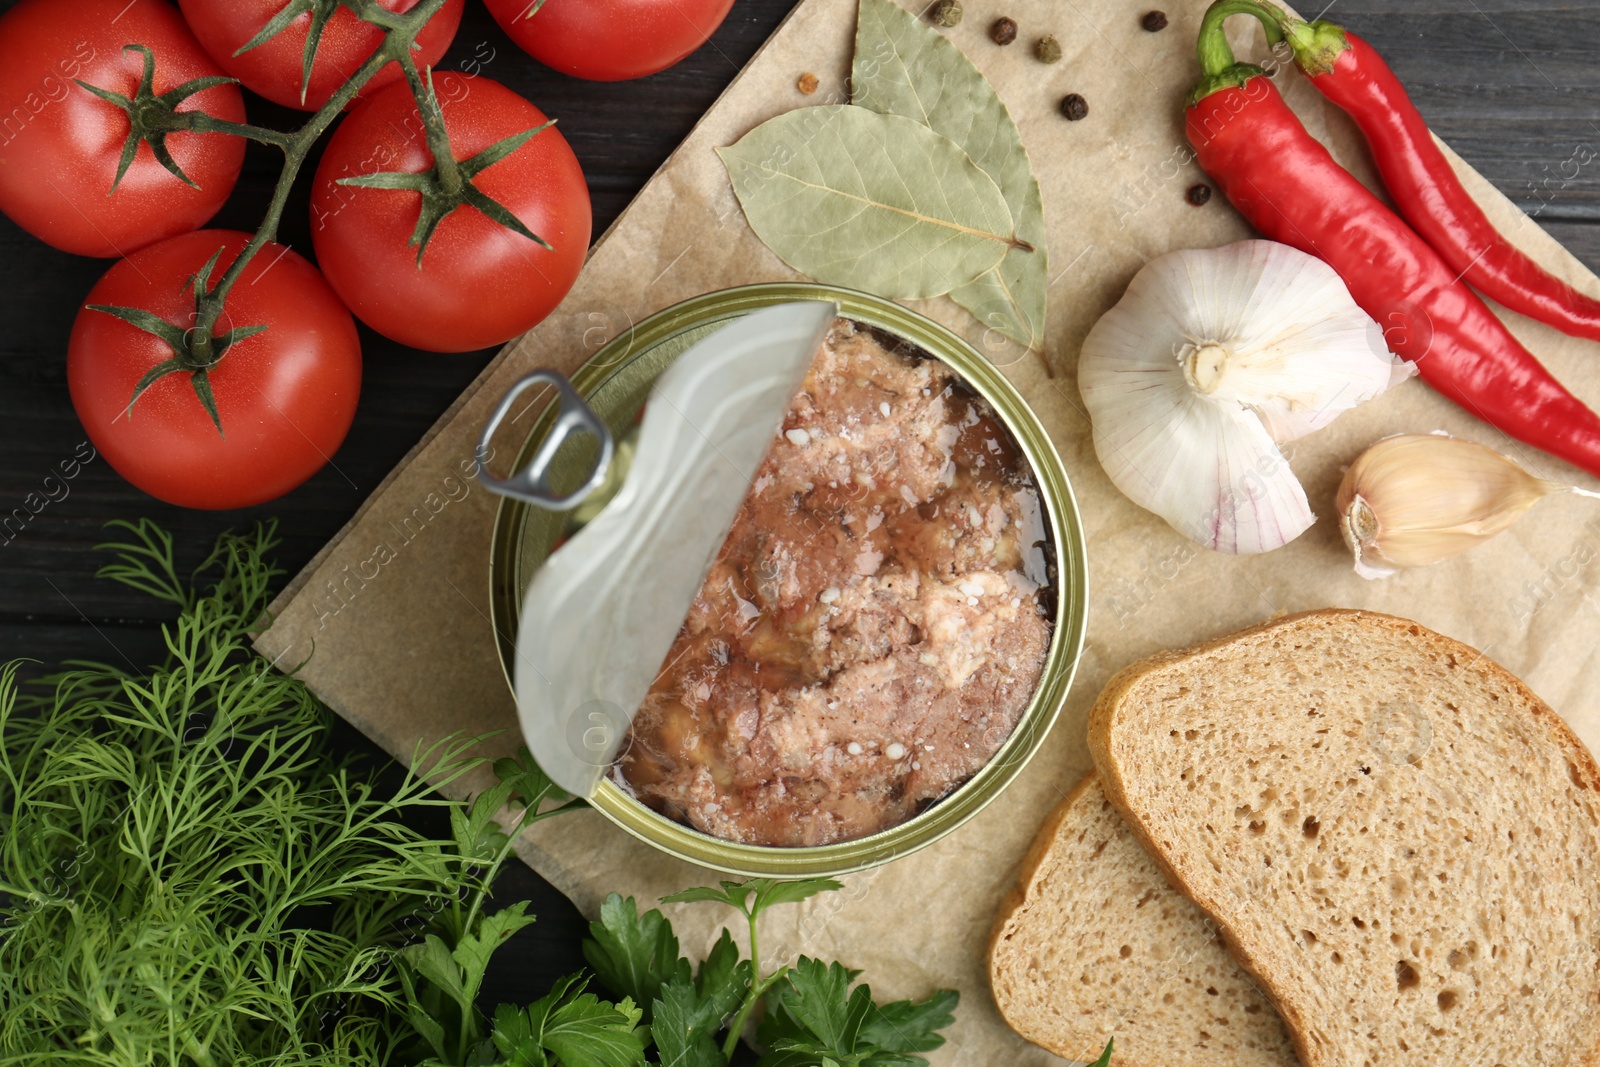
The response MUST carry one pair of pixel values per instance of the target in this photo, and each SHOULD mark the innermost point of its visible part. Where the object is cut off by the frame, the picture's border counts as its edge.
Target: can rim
(1072, 581)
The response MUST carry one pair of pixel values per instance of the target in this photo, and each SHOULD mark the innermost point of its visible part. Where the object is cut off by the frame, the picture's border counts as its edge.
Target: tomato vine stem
(432, 115)
(443, 188)
(200, 122)
(152, 117)
(399, 35)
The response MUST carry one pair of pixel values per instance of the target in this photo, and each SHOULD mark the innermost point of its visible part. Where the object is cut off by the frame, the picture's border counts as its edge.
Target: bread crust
(1027, 880)
(1107, 712)
(1047, 929)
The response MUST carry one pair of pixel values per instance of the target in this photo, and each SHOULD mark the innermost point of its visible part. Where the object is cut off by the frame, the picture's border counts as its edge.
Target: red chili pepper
(1351, 74)
(1287, 185)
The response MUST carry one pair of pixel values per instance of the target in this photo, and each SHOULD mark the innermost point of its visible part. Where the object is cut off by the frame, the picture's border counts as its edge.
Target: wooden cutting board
(394, 613)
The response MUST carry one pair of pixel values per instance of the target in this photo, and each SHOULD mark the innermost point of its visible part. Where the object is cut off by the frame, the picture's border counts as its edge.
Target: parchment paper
(396, 608)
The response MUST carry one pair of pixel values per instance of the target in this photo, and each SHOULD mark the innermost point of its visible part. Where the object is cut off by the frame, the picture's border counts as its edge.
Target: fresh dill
(189, 877)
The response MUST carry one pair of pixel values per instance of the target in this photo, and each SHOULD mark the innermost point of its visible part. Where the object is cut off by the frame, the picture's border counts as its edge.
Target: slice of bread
(1396, 837)
(1093, 943)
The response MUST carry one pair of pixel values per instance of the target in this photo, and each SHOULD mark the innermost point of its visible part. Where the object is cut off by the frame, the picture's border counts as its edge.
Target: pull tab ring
(532, 483)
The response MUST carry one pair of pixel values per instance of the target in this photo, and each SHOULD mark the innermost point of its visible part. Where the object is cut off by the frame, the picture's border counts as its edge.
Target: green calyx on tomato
(152, 116)
(286, 393)
(448, 185)
(480, 283)
(65, 142)
(298, 53)
(321, 12)
(194, 351)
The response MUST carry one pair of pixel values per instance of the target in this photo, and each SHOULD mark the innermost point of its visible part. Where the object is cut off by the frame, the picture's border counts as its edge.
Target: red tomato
(285, 396)
(609, 40)
(479, 283)
(275, 68)
(59, 144)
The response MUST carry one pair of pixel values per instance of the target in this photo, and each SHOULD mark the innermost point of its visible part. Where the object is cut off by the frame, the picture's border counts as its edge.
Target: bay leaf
(872, 201)
(903, 66)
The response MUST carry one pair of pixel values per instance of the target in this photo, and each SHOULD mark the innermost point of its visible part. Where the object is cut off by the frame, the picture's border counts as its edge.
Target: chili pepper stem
(1218, 66)
(1316, 45)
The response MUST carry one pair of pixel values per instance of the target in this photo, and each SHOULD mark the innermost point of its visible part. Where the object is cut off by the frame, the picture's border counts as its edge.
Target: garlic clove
(1415, 499)
(1209, 358)
(1358, 525)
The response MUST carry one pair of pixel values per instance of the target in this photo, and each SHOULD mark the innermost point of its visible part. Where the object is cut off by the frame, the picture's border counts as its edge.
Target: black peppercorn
(1074, 107)
(1154, 21)
(1198, 194)
(1047, 49)
(1004, 31)
(946, 13)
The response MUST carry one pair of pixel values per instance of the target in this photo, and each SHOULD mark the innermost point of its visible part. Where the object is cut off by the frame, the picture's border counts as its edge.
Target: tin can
(615, 384)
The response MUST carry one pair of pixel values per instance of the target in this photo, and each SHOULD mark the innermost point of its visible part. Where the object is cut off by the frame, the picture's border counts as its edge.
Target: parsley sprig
(751, 899)
(815, 1014)
(671, 1012)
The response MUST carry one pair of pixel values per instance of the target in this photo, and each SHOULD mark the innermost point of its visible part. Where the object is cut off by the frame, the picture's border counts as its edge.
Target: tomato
(275, 68)
(285, 396)
(609, 40)
(60, 144)
(479, 283)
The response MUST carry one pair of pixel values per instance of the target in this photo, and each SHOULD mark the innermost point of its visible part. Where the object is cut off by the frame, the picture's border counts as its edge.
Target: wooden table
(1511, 84)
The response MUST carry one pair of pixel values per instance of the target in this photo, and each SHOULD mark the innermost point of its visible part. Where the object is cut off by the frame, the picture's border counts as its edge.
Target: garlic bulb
(1415, 499)
(1210, 359)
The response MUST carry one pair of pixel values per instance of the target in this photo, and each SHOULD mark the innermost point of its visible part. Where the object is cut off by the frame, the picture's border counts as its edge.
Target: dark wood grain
(1511, 85)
